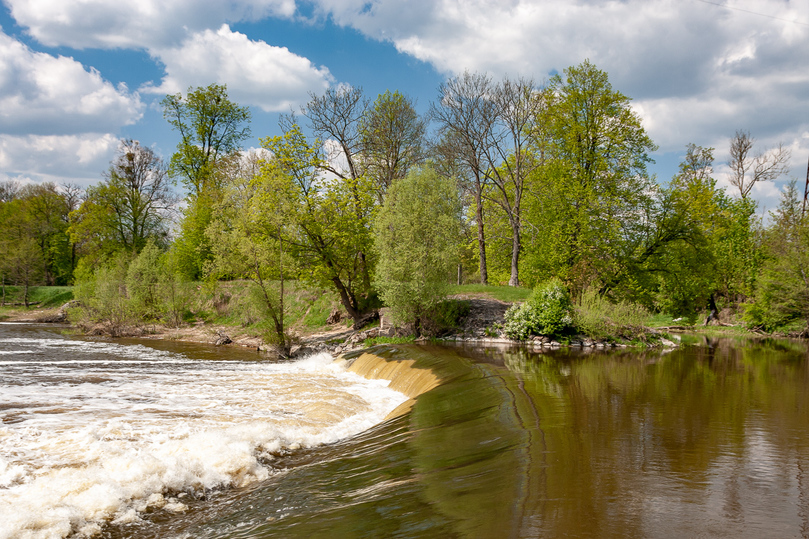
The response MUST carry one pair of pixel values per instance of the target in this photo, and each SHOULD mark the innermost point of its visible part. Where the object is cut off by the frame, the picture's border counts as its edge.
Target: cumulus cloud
(697, 71)
(44, 94)
(76, 159)
(272, 78)
(140, 25)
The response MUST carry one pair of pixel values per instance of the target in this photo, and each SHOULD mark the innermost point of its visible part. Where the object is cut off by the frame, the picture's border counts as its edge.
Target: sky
(76, 76)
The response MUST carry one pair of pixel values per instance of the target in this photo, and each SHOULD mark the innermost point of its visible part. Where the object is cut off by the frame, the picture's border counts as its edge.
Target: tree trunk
(515, 254)
(484, 273)
(714, 314)
(345, 299)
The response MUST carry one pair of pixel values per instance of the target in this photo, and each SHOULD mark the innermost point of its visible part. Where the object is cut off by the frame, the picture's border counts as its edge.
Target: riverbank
(481, 326)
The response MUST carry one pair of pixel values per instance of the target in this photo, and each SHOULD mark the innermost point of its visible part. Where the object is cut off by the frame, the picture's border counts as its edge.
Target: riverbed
(710, 440)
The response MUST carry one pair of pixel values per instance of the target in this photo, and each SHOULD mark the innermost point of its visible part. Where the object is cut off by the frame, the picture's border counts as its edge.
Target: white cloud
(77, 159)
(272, 78)
(43, 94)
(697, 71)
(142, 24)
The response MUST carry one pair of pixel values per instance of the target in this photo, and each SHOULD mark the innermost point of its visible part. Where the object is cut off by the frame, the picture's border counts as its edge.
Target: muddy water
(100, 433)
(711, 440)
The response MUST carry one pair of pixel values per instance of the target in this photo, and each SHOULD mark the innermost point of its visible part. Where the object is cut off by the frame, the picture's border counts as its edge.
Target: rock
(667, 343)
(335, 316)
(222, 339)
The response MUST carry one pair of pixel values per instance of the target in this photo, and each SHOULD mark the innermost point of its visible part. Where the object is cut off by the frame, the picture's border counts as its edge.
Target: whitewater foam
(98, 432)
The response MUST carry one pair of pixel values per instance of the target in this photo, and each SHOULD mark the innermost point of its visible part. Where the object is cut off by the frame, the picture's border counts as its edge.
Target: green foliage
(548, 311)
(102, 293)
(417, 236)
(248, 242)
(211, 127)
(782, 294)
(328, 220)
(600, 319)
(128, 290)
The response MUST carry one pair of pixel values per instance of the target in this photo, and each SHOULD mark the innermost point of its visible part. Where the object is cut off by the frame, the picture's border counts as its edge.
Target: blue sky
(78, 75)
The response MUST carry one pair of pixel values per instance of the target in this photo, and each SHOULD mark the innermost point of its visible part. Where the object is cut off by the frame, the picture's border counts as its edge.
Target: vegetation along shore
(511, 212)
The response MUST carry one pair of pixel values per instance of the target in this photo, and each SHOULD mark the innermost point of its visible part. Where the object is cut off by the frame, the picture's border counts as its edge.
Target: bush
(548, 311)
(598, 318)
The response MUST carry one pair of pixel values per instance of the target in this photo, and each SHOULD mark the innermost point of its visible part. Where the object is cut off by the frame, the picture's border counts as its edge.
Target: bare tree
(335, 117)
(492, 125)
(747, 170)
(466, 114)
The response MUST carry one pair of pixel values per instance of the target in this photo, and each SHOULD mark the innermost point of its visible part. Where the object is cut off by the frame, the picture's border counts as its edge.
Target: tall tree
(211, 127)
(328, 219)
(747, 169)
(334, 118)
(129, 207)
(596, 176)
(392, 139)
(416, 235)
(465, 114)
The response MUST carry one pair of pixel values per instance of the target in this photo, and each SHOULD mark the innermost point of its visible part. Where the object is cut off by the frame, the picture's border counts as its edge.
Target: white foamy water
(96, 432)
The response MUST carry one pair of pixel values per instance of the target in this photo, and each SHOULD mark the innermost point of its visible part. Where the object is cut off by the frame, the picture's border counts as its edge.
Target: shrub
(598, 318)
(548, 311)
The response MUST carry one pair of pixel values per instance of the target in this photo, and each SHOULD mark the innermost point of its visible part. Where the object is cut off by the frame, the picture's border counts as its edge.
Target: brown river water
(708, 440)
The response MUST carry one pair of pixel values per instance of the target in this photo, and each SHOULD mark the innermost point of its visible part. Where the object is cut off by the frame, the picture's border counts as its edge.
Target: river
(138, 439)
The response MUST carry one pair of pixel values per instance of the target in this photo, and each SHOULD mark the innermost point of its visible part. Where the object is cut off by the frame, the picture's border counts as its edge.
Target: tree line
(503, 181)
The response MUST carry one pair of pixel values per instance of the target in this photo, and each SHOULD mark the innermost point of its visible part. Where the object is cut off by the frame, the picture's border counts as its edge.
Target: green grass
(46, 297)
(388, 340)
(233, 304)
(503, 293)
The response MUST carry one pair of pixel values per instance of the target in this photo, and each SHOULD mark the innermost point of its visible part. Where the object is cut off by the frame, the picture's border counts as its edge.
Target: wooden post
(460, 274)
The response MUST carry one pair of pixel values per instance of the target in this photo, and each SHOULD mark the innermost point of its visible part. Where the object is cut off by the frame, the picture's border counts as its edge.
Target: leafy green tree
(416, 234)
(248, 242)
(212, 129)
(593, 187)
(101, 289)
(328, 219)
(129, 208)
(782, 292)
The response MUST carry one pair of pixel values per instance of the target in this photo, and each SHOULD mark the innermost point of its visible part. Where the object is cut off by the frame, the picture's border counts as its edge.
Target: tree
(211, 128)
(416, 235)
(248, 242)
(594, 182)
(328, 219)
(392, 139)
(490, 124)
(130, 207)
(782, 293)
(747, 170)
